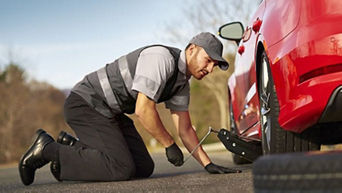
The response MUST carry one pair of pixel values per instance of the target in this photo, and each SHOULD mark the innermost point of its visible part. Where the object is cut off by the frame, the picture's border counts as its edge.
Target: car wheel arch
(260, 49)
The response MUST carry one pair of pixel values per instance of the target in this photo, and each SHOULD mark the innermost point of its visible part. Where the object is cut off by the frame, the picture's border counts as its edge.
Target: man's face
(199, 63)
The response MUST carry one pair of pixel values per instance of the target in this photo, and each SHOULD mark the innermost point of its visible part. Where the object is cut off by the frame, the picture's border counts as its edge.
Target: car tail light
(320, 71)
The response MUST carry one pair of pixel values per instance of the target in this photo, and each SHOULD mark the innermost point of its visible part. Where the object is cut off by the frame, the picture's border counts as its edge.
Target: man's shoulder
(159, 58)
(157, 50)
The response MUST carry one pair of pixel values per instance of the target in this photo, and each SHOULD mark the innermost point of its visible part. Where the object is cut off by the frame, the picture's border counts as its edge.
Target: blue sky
(61, 41)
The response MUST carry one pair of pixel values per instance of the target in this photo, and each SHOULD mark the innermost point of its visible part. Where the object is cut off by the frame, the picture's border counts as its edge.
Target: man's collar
(182, 64)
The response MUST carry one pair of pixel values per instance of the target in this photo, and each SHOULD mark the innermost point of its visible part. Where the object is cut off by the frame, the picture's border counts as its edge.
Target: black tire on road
(317, 172)
(274, 138)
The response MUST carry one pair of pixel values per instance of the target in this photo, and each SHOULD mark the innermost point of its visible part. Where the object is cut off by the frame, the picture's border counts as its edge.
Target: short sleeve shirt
(154, 67)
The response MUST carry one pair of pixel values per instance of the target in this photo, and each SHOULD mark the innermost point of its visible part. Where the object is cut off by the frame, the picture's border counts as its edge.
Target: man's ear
(191, 48)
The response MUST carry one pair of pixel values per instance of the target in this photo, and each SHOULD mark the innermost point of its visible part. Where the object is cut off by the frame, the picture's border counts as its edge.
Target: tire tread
(308, 172)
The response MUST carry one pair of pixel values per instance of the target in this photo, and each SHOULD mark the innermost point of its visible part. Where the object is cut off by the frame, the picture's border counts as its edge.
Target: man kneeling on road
(109, 147)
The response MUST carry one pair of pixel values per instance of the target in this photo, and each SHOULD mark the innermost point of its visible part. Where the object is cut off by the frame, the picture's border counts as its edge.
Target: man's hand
(174, 155)
(215, 169)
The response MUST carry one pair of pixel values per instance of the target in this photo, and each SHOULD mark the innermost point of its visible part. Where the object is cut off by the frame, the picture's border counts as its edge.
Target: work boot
(33, 158)
(65, 139)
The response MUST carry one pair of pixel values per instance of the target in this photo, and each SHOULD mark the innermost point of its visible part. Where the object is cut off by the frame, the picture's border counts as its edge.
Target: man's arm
(146, 111)
(188, 136)
(190, 140)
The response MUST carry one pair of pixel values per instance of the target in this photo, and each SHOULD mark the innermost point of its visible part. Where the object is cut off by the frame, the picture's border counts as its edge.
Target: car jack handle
(210, 130)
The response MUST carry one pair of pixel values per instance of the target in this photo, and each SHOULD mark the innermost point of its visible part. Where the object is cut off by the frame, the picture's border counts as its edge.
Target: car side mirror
(231, 31)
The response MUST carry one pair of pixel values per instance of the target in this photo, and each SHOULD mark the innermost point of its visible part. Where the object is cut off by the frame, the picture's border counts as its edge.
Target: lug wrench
(210, 130)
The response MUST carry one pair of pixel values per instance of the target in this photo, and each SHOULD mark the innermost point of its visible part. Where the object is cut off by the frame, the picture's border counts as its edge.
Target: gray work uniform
(110, 148)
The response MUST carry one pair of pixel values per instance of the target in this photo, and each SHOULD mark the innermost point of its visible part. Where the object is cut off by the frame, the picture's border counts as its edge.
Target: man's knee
(145, 170)
(122, 170)
(149, 169)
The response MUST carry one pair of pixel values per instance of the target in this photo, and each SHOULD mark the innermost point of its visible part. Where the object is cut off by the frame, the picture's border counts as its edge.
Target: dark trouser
(108, 149)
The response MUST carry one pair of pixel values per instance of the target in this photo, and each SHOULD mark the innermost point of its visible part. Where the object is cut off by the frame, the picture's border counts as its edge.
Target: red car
(286, 89)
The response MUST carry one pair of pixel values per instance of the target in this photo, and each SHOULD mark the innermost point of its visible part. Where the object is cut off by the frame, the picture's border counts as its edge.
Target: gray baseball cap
(212, 46)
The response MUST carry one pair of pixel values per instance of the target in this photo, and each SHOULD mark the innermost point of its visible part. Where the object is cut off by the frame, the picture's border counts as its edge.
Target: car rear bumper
(315, 103)
(306, 75)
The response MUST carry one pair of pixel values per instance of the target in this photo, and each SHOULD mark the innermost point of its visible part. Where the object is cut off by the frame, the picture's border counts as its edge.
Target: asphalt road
(191, 177)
